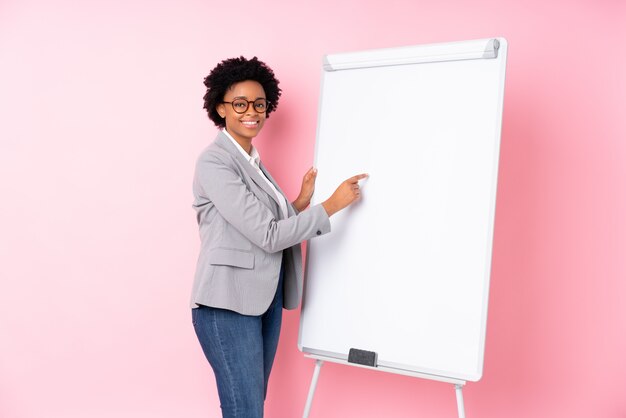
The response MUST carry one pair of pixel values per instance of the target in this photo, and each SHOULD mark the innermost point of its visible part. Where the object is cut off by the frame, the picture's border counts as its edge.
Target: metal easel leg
(459, 400)
(309, 399)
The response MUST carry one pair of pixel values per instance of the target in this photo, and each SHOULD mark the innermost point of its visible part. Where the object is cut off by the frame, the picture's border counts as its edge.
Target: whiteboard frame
(490, 48)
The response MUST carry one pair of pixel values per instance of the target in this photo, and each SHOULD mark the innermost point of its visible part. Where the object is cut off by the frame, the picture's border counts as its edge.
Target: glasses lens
(260, 105)
(240, 105)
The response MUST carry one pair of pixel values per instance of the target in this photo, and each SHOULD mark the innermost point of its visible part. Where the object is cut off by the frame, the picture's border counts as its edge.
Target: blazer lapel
(269, 176)
(225, 143)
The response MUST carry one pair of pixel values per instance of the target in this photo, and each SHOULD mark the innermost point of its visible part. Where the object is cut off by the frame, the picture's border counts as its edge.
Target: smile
(250, 123)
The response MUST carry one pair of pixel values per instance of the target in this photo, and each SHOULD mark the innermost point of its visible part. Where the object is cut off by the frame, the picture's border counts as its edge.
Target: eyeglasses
(242, 105)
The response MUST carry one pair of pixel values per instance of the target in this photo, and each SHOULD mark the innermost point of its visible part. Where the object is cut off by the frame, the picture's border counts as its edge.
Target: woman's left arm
(306, 191)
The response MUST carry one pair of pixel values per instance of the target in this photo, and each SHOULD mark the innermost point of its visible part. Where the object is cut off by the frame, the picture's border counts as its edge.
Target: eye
(240, 104)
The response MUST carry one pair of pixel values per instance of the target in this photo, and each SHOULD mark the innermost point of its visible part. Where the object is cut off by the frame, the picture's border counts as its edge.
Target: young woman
(249, 266)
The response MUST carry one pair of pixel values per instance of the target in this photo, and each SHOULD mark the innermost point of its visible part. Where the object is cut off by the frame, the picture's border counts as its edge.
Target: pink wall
(102, 121)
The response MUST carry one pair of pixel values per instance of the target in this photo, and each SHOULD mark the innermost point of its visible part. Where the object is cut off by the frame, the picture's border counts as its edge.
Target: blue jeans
(241, 351)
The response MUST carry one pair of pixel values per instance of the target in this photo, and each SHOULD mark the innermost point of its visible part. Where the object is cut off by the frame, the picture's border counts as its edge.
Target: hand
(307, 189)
(347, 193)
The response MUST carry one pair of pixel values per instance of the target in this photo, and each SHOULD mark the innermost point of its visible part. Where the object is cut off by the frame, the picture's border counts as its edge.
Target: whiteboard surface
(405, 271)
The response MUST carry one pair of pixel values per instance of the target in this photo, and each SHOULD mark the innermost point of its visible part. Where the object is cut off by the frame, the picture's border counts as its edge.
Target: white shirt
(254, 159)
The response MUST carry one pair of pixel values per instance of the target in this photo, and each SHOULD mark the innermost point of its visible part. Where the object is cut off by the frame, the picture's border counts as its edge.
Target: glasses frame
(267, 105)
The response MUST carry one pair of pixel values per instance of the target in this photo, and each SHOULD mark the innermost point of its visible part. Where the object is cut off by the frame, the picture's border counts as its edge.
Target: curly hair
(235, 70)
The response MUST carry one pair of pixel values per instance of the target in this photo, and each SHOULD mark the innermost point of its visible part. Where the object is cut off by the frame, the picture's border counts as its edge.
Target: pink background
(101, 122)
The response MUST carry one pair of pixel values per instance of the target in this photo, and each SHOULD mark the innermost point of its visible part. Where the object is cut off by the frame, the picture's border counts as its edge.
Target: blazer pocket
(231, 257)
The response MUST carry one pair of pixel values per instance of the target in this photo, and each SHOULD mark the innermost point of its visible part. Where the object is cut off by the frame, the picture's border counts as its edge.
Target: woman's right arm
(245, 212)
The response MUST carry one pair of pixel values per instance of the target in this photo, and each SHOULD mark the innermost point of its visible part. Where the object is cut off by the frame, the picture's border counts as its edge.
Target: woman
(249, 266)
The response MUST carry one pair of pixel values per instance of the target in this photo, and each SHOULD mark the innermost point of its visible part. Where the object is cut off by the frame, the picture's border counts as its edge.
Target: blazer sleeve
(224, 187)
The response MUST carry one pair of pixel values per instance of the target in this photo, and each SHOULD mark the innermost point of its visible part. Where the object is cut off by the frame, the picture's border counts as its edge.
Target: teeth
(249, 123)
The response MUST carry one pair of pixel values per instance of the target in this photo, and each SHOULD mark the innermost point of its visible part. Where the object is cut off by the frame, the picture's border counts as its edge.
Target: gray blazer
(244, 236)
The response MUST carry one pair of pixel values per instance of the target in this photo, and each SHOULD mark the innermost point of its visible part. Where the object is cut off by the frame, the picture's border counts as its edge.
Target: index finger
(358, 177)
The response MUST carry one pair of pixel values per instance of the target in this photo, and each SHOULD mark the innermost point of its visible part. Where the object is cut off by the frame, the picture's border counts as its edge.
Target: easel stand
(319, 361)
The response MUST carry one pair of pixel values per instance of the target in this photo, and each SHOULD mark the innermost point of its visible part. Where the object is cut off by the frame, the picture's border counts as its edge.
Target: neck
(245, 143)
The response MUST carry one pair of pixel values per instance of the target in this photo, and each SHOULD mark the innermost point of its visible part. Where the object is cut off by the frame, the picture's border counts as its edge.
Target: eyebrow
(246, 97)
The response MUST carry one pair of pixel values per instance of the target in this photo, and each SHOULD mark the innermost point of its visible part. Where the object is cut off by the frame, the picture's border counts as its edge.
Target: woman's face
(247, 125)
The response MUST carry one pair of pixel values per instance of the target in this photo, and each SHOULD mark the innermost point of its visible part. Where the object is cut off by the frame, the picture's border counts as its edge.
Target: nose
(250, 110)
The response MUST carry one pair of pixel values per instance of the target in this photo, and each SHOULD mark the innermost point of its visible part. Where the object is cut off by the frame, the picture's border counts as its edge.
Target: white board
(405, 271)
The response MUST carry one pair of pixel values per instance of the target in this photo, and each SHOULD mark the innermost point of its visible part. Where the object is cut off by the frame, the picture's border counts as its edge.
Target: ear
(221, 110)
